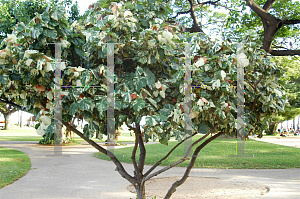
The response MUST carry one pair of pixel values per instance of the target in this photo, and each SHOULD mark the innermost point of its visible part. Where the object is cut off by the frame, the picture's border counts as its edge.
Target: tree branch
(284, 52)
(178, 162)
(289, 22)
(181, 13)
(195, 27)
(182, 159)
(204, 3)
(137, 172)
(259, 80)
(119, 168)
(268, 5)
(166, 156)
(13, 104)
(192, 162)
(259, 11)
(142, 150)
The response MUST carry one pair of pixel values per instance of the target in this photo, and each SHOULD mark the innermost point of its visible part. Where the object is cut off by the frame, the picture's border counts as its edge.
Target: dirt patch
(203, 187)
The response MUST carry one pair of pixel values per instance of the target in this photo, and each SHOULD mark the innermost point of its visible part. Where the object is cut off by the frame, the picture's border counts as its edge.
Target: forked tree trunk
(6, 118)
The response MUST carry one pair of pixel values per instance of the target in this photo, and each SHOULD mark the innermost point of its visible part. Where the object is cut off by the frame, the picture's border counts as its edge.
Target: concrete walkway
(78, 174)
(286, 141)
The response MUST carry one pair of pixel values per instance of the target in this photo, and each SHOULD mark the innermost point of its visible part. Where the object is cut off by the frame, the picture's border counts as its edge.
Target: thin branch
(249, 82)
(259, 80)
(182, 159)
(159, 162)
(204, 3)
(181, 13)
(192, 162)
(119, 168)
(13, 104)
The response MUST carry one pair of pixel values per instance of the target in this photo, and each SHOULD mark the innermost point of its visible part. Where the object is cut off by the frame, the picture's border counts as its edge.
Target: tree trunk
(140, 191)
(6, 118)
(21, 120)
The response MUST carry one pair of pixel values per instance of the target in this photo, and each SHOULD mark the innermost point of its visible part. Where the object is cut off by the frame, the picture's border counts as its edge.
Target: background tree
(277, 21)
(16, 11)
(7, 110)
(291, 83)
(149, 77)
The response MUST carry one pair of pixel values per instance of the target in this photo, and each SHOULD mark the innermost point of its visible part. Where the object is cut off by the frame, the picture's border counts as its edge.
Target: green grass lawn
(13, 165)
(215, 155)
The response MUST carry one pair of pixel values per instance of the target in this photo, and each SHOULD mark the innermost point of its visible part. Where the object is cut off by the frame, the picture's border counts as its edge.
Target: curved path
(78, 174)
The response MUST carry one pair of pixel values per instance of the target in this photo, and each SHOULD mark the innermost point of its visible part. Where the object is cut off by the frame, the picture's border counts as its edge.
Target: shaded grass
(216, 155)
(13, 165)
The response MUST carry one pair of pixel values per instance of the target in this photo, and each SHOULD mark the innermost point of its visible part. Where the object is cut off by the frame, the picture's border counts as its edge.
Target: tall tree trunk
(6, 118)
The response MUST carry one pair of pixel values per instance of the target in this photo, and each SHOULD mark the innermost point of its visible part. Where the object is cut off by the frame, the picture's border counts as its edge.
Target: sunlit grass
(216, 154)
(13, 165)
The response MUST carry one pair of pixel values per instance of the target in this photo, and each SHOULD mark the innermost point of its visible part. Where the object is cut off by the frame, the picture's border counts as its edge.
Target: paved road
(79, 175)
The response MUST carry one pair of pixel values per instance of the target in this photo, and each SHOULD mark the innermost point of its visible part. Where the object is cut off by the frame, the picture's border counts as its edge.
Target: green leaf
(152, 101)
(166, 111)
(15, 77)
(37, 126)
(3, 79)
(21, 27)
(138, 72)
(101, 24)
(142, 60)
(50, 33)
(138, 104)
(73, 108)
(140, 83)
(118, 104)
(79, 52)
(85, 77)
(122, 118)
(160, 118)
(203, 129)
(45, 17)
(164, 141)
(57, 13)
(195, 48)
(85, 104)
(50, 131)
(139, 7)
(86, 132)
(37, 31)
(130, 5)
(102, 105)
(87, 115)
(174, 65)
(150, 121)
(222, 115)
(179, 135)
(150, 77)
(126, 97)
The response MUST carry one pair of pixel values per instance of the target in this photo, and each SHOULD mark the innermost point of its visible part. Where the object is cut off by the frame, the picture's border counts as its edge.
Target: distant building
(31, 122)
